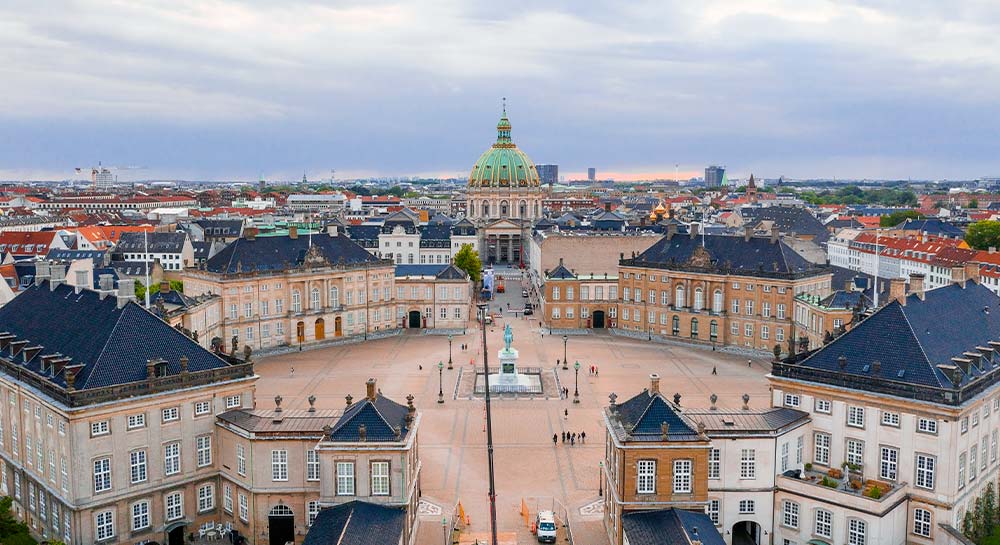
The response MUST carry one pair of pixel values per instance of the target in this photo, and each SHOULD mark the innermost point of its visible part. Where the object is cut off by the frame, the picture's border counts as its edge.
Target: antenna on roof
(310, 227)
(145, 242)
(504, 102)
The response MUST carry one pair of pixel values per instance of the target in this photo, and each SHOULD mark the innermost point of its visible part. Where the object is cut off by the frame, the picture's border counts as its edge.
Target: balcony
(847, 488)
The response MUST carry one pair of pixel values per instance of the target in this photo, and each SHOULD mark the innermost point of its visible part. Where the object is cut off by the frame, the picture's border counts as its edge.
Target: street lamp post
(444, 529)
(449, 352)
(600, 481)
(440, 383)
(576, 387)
(565, 361)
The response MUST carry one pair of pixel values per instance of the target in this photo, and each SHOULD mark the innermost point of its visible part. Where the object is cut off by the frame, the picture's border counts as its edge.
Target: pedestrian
(566, 413)
(421, 367)
(563, 437)
(583, 437)
(555, 439)
(574, 438)
(714, 370)
(749, 363)
(597, 371)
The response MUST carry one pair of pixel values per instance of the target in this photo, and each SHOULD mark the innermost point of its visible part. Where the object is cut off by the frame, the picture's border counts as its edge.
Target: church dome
(503, 165)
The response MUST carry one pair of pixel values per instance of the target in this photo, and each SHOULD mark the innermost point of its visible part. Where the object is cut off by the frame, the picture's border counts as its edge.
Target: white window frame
(682, 476)
(380, 478)
(748, 463)
(790, 514)
(645, 477)
(279, 465)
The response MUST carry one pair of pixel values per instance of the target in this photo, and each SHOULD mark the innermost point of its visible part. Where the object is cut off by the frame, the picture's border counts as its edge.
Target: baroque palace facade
(118, 428)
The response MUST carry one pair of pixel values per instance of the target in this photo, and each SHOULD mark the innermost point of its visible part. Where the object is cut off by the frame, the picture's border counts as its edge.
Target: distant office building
(102, 177)
(714, 175)
(549, 174)
(591, 174)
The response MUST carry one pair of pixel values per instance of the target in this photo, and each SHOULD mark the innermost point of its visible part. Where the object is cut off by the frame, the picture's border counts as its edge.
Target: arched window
(522, 210)
(713, 330)
(698, 299)
(679, 296)
(334, 296)
(281, 510)
(675, 325)
(486, 209)
(503, 209)
(314, 299)
(536, 210)
(717, 301)
(296, 301)
(409, 258)
(694, 328)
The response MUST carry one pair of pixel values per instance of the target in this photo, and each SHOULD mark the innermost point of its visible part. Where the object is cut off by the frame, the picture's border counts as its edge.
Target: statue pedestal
(508, 366)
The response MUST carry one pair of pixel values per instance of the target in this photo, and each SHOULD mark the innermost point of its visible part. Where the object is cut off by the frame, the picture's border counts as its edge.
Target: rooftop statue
(508, 337)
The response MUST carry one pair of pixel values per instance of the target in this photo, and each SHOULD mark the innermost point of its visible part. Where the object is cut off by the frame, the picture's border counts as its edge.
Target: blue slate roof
(846, 299)
(166, 243)
(788, 219)
(278, 253)
(72, 255)
(357, 523)
(727, 253)
(364, 232)
(910, 341)
(451, 272)
(560, 272)
(932, 227)
(643, 415)
(113, 344)
(670, 527)
(380, 416)
(419, 270)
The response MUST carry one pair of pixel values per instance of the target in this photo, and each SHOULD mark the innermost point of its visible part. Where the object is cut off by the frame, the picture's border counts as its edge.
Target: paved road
(452, 438)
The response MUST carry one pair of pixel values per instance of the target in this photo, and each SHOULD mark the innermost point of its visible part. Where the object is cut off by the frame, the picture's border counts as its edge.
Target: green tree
(12, 531)
(967, 522)
(896, 218)
(974, 203)
(983, 234)
(467, 259)
(989, 509)
(395, 191)
(978, 522)
(140, 289)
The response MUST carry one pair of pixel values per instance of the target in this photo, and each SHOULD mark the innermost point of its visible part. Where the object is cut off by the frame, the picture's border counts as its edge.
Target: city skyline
(231, 90)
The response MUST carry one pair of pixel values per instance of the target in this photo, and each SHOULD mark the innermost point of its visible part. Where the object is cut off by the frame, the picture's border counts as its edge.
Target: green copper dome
(503, 165)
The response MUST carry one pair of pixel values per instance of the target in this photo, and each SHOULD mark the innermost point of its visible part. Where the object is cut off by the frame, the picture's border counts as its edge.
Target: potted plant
(809, 466)
(835, 473)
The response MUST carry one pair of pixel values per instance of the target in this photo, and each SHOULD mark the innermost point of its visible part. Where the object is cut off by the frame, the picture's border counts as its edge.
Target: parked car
(524, 293)
(545, 527)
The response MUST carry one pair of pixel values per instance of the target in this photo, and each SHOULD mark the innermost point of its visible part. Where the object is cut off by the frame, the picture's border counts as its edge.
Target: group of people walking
(569, 436)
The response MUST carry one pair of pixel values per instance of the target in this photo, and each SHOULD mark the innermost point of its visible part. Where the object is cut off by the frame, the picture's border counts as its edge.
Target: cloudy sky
(217, 89)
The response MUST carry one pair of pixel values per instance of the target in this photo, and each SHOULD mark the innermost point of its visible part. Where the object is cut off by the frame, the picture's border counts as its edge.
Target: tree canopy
(853, 194)
(896, 218)
(983, 235)
(467, 259)
(12, 531)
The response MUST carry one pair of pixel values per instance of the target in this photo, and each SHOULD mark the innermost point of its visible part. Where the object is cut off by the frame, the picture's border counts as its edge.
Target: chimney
(897, 290)
(58, 275)
(332, 230)
(293, 232)
(70, 374)
(972, 271)
(654, 383)
(250, 233)
(849, 285)
(671, 231)
(747, 233)
(105, 284)
(774, 234)
(164, 286)
(917, 284)
(693, 229)
(126, 291)
(371, 389)
(82, 280)
(607, 207)
(184, 364)
(41, 272)
(992, 250)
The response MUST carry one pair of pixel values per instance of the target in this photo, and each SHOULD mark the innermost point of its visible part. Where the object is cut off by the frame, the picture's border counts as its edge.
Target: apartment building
(736, 291)
(575, 301)
(295, 290)
(905, 404)
(280, 469)
(432, 296)
(107, 421)
(173, 251)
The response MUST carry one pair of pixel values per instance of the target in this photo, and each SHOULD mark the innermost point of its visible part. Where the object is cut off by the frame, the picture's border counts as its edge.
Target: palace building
(504, 196)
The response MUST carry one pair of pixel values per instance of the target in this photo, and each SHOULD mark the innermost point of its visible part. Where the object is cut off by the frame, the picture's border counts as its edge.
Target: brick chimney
(671, 231)
(693, 230)
(958, 274)
(82, 280)
(654, 383)
(58, 275)
(747, 233)
(774, 234)
(917, 284)
(42, 269)
(164, 286)
(972, 271)
(126, 291)
(293, 232)
(106, 285)
(250, 233)
(370, 384)
(897, 290)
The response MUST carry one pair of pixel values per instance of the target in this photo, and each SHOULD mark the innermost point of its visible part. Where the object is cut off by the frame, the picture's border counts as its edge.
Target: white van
(545, 526)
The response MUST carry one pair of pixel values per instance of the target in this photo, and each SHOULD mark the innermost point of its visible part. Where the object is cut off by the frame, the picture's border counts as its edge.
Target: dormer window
(160, 369)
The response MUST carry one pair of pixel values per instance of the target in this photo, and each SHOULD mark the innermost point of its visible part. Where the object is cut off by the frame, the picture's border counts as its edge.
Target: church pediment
(503, 224)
